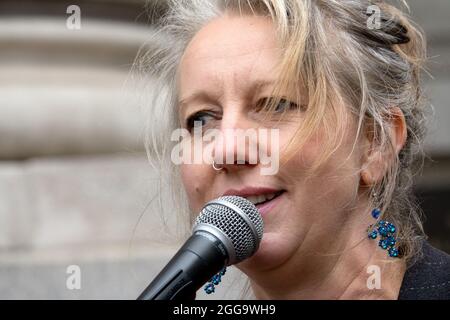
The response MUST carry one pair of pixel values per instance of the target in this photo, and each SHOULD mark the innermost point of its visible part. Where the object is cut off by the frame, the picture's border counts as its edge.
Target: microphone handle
(194, 264)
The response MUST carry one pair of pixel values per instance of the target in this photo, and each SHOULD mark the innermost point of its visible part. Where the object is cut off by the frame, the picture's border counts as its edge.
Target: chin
(272, 252)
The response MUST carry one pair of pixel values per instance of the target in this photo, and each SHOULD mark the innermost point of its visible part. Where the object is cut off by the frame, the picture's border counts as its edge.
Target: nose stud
(215, 167)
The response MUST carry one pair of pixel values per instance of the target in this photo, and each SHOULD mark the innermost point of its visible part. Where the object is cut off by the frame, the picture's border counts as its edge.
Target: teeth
(261, 198)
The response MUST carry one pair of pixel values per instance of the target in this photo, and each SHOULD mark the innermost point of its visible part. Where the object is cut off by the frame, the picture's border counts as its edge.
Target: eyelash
(262, 102)
(266, 101)
(194, 117)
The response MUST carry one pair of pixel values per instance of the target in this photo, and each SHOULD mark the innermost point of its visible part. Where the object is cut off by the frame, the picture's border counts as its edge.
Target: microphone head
(236, 222)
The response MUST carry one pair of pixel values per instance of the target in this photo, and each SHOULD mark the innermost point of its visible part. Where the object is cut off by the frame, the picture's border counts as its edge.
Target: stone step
(58, 202)
(105, 273)
(68, 92)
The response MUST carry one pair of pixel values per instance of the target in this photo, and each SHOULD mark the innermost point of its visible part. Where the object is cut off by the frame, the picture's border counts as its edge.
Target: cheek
(333, 184)
(300, 160)
(194, 179)
(345, 158)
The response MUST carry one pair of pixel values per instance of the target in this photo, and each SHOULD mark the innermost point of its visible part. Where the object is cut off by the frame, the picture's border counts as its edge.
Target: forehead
(230, 49)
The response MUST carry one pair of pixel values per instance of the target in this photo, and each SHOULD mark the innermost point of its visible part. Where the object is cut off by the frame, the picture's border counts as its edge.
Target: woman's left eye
(282, 104)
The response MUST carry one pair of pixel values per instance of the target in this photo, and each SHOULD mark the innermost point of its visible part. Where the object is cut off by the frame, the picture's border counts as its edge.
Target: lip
(263, 208)
(266, 207)
(250, 191)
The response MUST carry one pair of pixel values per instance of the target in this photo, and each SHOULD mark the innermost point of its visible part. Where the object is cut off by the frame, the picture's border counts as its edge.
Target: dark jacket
(428, 278)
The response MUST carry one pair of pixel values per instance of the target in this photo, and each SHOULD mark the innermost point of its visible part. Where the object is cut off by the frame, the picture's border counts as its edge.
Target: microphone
(228, 230)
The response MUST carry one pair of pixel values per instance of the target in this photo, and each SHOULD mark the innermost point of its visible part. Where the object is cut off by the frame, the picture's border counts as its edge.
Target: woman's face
(227, 69)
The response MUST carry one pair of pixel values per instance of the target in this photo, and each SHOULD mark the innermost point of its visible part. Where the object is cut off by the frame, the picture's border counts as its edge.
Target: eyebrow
(199, 95)
(202, 95)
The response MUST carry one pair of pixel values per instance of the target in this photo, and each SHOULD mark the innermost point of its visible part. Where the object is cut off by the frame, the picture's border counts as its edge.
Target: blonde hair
(330, 50)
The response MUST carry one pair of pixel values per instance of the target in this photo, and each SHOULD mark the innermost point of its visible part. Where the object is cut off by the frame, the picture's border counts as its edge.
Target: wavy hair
(329, 48)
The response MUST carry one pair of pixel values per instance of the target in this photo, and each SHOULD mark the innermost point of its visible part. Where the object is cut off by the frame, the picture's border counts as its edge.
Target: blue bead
(383, 231)
(393, 252)
(376, 213)
(223, 271)
(390, 241)
(391, 228)
(209, 288)
(382, 223)
(216, 279)
(383, 244)
(373, 234)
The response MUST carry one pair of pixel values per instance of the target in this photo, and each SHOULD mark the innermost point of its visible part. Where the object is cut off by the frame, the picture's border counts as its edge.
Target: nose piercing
(216, 168)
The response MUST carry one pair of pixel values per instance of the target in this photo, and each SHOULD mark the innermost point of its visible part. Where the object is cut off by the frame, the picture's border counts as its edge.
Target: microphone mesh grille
(233, 225)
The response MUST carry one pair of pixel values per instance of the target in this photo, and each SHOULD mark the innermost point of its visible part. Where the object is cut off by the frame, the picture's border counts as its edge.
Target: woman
(339, 81)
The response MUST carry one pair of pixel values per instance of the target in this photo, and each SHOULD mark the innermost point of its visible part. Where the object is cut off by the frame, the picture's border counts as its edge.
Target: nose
(238, 145)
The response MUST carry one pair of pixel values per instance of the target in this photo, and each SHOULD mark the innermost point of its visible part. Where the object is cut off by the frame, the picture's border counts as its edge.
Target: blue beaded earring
(386, 231)
(214, 281)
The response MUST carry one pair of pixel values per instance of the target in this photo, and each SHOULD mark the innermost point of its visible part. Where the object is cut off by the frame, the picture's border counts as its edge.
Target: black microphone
(228, 230)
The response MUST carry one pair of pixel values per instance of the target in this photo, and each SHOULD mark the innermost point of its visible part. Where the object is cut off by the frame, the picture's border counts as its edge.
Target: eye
(200, 118)
(283, 104)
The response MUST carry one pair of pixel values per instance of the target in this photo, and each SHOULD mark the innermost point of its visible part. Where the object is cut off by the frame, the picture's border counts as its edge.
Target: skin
(314, 245)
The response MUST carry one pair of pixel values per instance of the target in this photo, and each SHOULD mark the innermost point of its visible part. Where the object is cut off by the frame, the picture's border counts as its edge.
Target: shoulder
(429, 277)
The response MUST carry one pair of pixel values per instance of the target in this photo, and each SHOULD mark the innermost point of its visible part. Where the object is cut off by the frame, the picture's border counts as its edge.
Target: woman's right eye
(199, 119)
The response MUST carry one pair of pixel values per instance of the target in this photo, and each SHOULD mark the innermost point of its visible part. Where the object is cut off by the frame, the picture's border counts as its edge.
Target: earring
(215, 167)
(386, 231)
(214, 281)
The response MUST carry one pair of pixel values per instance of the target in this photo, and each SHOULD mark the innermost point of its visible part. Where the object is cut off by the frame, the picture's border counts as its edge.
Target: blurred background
(74, 178)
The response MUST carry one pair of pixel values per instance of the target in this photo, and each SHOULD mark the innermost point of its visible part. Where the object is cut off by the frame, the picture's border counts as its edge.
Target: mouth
(263, 198)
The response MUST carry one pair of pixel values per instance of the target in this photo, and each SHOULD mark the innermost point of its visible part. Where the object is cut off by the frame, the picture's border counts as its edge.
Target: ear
(377, 158)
